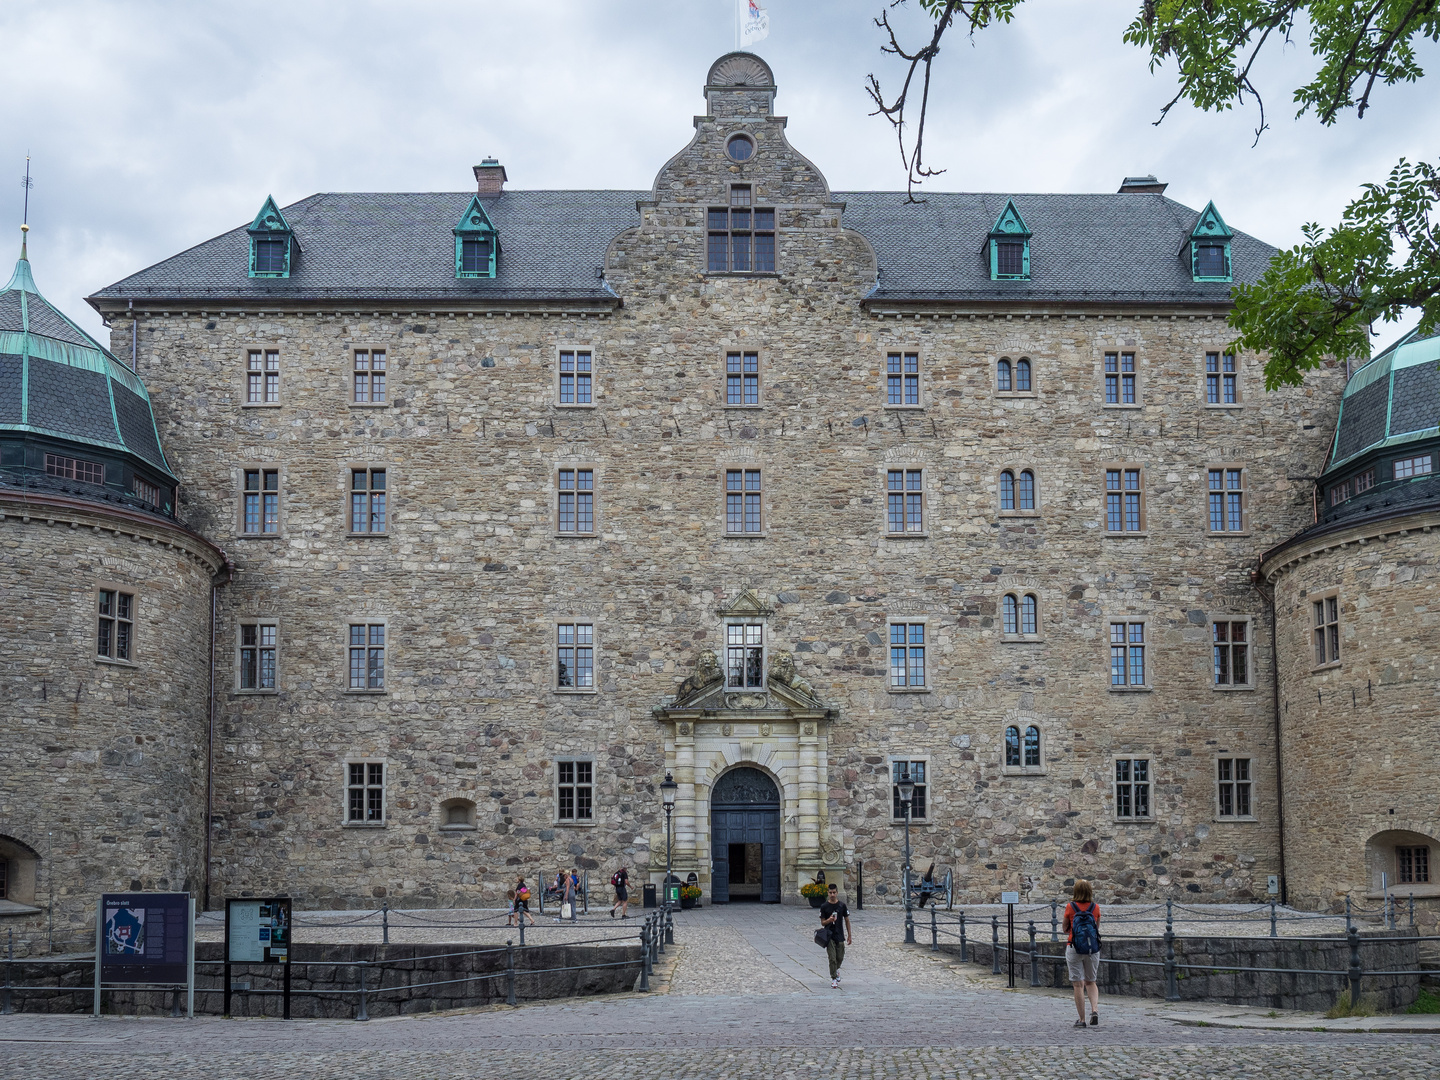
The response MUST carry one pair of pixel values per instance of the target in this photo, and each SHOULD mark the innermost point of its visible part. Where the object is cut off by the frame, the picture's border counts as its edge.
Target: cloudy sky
(155, 124)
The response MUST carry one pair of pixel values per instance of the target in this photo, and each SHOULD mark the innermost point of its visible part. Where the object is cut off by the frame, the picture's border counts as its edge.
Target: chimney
(1131, 185)
(490, 177)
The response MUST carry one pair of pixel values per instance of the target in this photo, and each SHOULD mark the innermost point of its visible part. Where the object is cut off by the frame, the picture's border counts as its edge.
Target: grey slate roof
(1085, 248)
(401, 246)
(57, 381)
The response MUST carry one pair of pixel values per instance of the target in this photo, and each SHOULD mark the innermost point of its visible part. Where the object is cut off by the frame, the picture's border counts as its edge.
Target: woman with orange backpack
(1082, 954)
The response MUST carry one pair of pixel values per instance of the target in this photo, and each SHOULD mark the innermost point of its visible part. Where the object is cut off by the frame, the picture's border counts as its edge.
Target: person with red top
(1082, 953)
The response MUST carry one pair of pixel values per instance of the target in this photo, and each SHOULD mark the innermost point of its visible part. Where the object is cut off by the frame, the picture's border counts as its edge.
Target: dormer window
(1008, 246)
(477, 243)
(272, 243)
(1209, 247)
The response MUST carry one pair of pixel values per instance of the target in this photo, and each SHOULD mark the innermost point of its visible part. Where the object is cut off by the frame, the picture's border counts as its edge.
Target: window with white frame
(902, 378)
(1233, 788)
(262, 377)
(575, 656)
(369, 377)
(575, 377)
(1227, 500)
(1220, 379)
(1127, 654)
(905, 500)
(575, 789)
(258, 644)
(1230, 644)
(368, 501)
(919, 807)
(1132, 788)
(744, 503)
(115, 634)
(745, 655)
(575, 501)
(367, 656)
(907, 655)
(1326, 631)
(365, 793)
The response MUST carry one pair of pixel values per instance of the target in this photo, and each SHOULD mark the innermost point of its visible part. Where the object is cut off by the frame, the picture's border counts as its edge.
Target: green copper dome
(1393, 400)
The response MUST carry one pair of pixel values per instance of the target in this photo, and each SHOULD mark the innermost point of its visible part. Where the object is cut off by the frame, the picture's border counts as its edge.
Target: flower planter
(815, 901)
(686, 903)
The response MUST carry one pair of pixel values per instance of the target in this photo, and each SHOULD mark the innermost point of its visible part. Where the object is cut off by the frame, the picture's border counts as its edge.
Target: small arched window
(1028, 608)
(1007, 490)
(1012, 747)
(1002, 376)
(1010, 613)
(1025, 495)
(1032, 747)
(1022, 376)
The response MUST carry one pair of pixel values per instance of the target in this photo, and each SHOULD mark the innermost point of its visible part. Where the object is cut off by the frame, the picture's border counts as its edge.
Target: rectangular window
(262, 377)
(907, 654)
(366, 792)
(69, 468)
(269, 256)
(1415, 466)
(146, 492)
(1210, 261)
(367, 656)
(576, 507)
(115, 637)
(260, 512)
(1124, 501)
(745, 655)
(367, 501)
(743, 501)
(1339, 493)
(369, 378)
(1220, 375)
(917, 800)
(741, 237)
(257, 656)
(1119, 378)
(1233, 791)
(742, 378)
(1010, 258)
(1364, 481)
(1412, 865)
(1227, 500)
(575, 376)
(1230, 642)
(902, 378)
(1127, 654)
(1132, 788)
(475, 255)
(905, 495)
(1327, 630)
(575, 656)
(575, 790)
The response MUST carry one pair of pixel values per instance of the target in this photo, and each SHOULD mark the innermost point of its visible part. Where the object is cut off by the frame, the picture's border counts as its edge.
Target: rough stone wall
(104, 773)
(472, 575)
(1361, 740)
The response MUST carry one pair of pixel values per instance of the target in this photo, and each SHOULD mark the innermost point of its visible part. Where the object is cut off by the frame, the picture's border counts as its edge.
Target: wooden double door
(745, 860)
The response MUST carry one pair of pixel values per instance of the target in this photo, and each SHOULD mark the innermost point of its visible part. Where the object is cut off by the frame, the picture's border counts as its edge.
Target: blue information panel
(144, 938)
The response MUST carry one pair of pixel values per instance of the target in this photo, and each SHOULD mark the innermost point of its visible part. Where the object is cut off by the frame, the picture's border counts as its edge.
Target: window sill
(457, 828)
(1131, 689)
(1219, 820)
(114, 662)
(904, 408)
(261, 404)
(1024, 770)
(575, 824)
(900, 821)
(1141, 535)
(751, 408)
(907, 689)
(1227, 535)
(578, 691)
(1233, 689)
(1018, 513)
(576, 535)
(1119, 405)
(260, 536)
(1022, 639)
(358, 690)
(1134, 821)
(1016, 394)
(249, 692)
(745, 536)
(1325, 667)
(369, 404)
(1224, 405)
(363, 825)
(907, 536)
(367, 536)
(743, 273)
(575, 404)
(1403, 890)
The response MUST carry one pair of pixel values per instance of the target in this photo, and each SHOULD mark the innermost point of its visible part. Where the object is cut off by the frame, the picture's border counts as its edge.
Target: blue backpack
(1084, 932)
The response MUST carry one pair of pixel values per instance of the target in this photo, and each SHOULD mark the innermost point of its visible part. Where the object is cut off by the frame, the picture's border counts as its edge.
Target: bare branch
(913, 158)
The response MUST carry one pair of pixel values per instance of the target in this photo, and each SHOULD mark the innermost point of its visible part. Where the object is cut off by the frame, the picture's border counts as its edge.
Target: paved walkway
(748, 996)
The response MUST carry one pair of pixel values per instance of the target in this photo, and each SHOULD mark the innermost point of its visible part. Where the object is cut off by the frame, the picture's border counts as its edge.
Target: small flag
(754, 23)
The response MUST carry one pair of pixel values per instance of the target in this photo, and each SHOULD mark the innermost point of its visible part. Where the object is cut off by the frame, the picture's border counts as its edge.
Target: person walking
(1082, 953)
(520, 905)
(572, 882)
(832, 914)
(621, 882)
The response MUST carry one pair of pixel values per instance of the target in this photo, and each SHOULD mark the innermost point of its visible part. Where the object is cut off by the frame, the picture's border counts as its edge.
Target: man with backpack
(1082, 954)
(620, 880)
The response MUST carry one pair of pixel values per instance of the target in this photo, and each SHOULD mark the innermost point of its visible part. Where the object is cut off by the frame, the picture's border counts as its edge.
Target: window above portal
(477, 243)
(272, 243)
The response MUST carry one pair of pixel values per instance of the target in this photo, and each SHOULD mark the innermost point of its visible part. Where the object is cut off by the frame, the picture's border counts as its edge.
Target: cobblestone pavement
(749, 997)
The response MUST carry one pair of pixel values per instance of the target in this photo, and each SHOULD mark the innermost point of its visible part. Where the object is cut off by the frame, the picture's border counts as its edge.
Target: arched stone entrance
(745, 837)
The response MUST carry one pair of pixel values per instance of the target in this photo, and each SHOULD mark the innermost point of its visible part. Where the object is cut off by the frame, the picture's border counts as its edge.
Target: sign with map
(145, 938)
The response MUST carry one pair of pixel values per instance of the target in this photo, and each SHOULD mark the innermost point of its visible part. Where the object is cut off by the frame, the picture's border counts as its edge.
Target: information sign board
(258, 931)
(145, 938)
(1009, 898)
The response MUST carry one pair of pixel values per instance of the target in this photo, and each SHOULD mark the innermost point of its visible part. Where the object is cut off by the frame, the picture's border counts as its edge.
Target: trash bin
(649, 896)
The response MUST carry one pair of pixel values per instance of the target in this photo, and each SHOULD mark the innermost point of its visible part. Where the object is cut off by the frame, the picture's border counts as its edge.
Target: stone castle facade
(779, 491)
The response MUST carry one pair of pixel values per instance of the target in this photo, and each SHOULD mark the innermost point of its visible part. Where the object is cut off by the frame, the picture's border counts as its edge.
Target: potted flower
(689, 896)
(814, 892)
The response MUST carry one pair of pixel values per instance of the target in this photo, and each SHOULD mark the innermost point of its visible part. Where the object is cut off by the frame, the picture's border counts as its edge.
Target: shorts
(621, 894)
(1084, 967)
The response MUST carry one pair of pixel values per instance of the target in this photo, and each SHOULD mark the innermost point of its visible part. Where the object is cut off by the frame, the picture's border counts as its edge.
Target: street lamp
(906, 787)
(668, 788)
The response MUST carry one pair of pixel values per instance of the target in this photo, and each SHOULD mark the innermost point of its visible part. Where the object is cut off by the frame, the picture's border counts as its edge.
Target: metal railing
(370, 975)
(1035, 951)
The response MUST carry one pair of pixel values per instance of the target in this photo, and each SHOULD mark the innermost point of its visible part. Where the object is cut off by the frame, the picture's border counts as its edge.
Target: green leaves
(1318, 299)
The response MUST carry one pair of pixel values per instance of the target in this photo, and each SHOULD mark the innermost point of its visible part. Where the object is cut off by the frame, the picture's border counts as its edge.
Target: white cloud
(155, 125)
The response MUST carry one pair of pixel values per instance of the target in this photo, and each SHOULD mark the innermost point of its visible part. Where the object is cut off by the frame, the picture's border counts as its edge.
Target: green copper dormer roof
(475, 219)
(57, 381)
(270, 219)
(1210, 226)
(1392, 401)
(1009, 224)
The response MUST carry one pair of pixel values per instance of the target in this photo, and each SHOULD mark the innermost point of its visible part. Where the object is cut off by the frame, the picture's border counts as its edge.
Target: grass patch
(1425, 1003)
(1368, 1005)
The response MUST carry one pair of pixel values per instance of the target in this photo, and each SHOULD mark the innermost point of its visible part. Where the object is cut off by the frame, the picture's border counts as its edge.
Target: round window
(740, 148)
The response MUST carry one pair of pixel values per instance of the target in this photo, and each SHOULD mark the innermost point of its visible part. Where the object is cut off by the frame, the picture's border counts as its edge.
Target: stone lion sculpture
(707, 671)
(782, 670)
